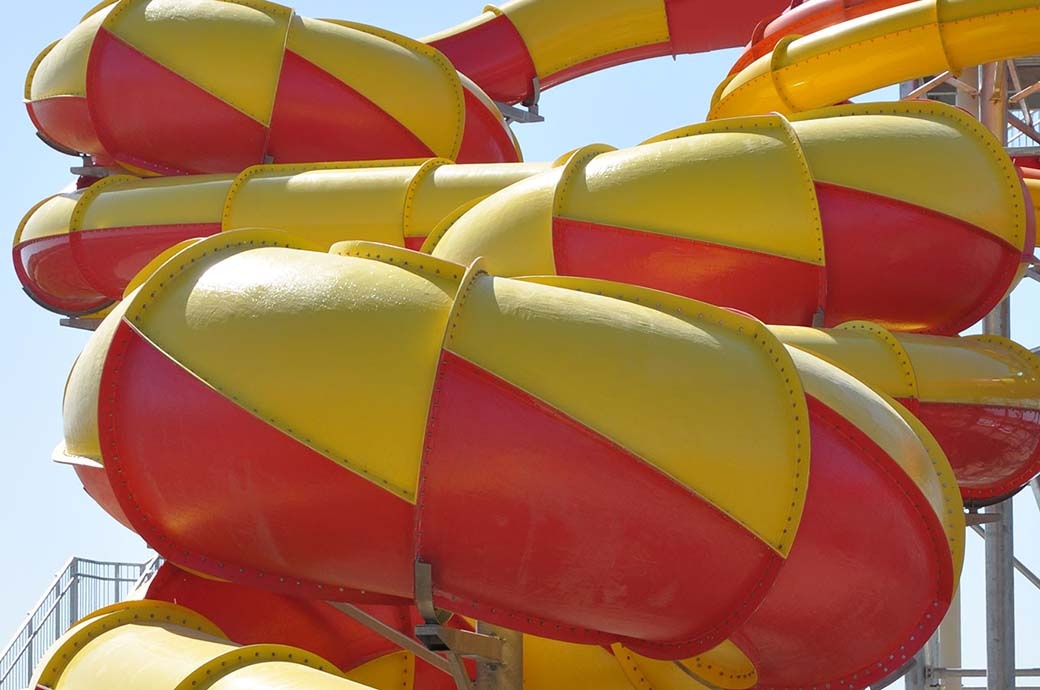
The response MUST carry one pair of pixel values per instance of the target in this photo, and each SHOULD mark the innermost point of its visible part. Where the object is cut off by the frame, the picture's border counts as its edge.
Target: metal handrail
(81, 586)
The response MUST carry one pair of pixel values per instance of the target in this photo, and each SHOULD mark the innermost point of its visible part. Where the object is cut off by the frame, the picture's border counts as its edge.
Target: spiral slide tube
(766, 215)
(258, 84)
(396, 383)
(308, 423)
(979, 396)
(249, 616)
(879, 49)
(76, 253)
(186, 651)
(505, 49)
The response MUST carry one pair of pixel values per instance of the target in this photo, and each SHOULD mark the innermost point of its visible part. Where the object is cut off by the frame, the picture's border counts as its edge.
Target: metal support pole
(74, 592)
(1000, 584)
(950, 643)
(507, 674)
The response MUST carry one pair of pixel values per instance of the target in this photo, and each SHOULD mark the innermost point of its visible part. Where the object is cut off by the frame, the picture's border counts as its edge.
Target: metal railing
(82, 587)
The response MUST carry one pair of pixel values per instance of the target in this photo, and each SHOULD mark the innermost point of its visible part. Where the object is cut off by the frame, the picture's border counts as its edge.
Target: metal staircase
(82, 587)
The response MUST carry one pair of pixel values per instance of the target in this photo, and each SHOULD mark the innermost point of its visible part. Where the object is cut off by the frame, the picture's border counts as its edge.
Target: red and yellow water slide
(551, 382)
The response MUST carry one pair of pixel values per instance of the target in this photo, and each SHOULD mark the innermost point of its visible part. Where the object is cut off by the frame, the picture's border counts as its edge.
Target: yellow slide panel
(245, 37)
(557, 33)
(358, 395)
(887, 47)
(389, 671)
(977, 370)
(397, 73)
(513, 231)
(324, 204)
(754, 191)
(912, 447)
(588, 356)
(895, 146)
(123, 201)
(438, 189)
(725, 666)
(984, 370)
(184, 651)
(80, 404)
(48, 218)
(867, 351)
(61, 69)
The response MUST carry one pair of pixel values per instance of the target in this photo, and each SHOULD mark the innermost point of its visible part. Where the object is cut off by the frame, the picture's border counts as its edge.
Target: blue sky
(45, 517)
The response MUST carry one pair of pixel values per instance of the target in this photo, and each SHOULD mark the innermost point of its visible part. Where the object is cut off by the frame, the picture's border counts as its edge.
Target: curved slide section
(251, 616)
(978, 395)
(435, 377)
(75, 253)
(766, 215)
(505, 49)
(807, 17)
(169, 87)
(877, 50)
(183, 649)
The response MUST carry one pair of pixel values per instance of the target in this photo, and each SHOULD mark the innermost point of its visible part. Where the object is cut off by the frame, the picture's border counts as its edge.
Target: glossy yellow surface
(887, 47)
(124, 201)
(898, 148)
(61, 69)
(324, 204)
(245, 37)
(741, 183)
(557, 33)
(596, 358)
(512, 230)
(48, 218)
(398, 73)
(184, 651)
(975, 370)
(356, 342)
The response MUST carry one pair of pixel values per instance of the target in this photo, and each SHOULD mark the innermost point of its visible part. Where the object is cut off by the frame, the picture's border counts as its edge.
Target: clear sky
(45, 516)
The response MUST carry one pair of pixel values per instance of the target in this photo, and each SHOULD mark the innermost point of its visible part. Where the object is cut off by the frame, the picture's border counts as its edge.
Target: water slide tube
(250, 616)
(876, 50)
(240, 297)
(767, 215)
(812, 236)
(397, 384)
(75, 253)
(185, 651)
(978, 395)
(807, 17)
(505, 49)
(258, 84)
(262, 84)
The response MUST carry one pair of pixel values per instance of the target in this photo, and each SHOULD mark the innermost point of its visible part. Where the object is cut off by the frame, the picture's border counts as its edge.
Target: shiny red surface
(95, 483)
(533, 521)
(49, 272)
(808, 18)
(907, 267)
(249, 615)
(214, 488)
(66, 120)
(151, 118)
(772, 288)
(485, 138)
(994, 450)
(414, 243)
(701, 25)
(319, 118)
(494, 56)
(93, 267)
(870, 555)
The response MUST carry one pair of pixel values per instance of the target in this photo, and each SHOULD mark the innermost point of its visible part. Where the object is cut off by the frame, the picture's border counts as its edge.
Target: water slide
(298, 407)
